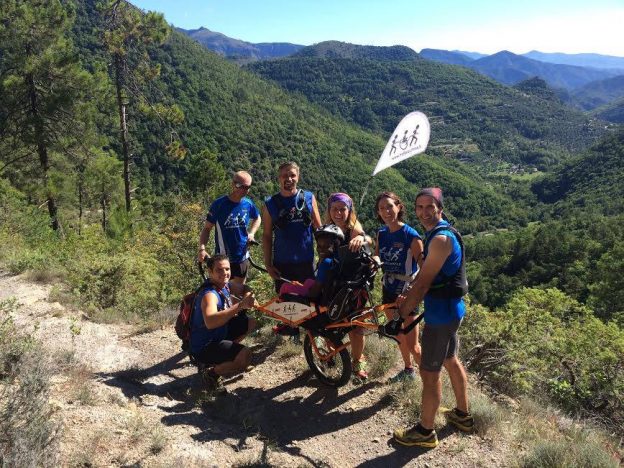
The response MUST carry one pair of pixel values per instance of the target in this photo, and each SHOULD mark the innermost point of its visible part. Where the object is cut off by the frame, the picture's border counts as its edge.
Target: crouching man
(219, 323)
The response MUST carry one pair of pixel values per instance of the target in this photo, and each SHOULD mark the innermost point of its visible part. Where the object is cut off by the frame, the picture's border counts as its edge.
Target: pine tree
(127, 35)
(102, 182)
(43, 88)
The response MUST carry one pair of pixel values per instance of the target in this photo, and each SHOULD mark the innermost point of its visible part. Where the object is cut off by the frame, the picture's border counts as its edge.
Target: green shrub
(546, 344)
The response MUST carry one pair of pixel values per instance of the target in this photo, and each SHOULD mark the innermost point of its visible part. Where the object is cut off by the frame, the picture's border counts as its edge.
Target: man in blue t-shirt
(441, 282)
(230, 215)
(288, 220)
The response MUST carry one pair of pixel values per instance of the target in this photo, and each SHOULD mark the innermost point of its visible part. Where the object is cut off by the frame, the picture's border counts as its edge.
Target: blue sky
(487, 26)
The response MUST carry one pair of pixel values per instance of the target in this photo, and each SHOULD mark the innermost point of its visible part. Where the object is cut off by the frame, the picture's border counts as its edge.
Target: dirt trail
(133, 399)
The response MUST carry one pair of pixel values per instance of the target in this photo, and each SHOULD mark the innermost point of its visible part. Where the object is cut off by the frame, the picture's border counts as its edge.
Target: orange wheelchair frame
(325, 350)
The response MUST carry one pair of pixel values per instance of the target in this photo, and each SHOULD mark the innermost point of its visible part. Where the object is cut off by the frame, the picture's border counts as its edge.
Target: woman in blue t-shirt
(399, 247)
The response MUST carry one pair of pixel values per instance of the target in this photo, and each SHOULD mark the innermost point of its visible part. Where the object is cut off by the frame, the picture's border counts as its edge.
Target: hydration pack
(455, 286)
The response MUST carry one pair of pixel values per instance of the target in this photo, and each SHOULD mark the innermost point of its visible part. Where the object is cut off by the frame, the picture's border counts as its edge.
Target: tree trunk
(103, 205)
(42, 151)
(80, 192)
(123, 129)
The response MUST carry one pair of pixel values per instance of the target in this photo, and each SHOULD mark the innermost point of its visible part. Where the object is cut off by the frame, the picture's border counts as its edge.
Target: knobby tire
(337, 371)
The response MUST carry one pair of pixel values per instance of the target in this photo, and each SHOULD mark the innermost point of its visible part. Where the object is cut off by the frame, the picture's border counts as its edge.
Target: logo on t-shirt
(236, 220)
(391, 254)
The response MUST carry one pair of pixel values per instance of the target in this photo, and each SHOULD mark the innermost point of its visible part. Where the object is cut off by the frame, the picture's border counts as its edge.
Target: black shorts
(294, 272)
(227, 349)
(439, 342)
(239, 270)
(388, 297)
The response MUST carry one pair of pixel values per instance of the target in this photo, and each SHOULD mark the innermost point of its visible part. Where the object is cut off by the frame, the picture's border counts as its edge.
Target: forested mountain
(539, 88)
(575, 250)
(445, 56)
(237, 49)
(234, 119)
(590, 183)
(510, 68)
(613, 112)
(344, 50)
(473, 118)
(599, 93)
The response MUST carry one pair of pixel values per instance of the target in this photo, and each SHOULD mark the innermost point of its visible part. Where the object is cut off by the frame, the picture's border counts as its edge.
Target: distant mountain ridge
(566, 71)
(509, 68)
(580, 60)
(466, 109)
(445, 56)
(345, 50)
(229, 47)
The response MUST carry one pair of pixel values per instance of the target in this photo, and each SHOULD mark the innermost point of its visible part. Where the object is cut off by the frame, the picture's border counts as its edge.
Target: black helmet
(330, 230)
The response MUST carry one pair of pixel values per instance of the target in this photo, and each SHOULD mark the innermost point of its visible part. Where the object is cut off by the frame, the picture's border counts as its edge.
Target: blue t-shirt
(230, 220)
(325, 266)
(294, 242)
(200, 334)
(439, 311)
(395, 251)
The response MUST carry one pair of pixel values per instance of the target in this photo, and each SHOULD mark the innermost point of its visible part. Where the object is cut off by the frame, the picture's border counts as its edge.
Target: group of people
(416, 269)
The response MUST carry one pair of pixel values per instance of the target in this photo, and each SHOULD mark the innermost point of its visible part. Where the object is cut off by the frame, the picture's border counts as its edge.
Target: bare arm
(316, 217)
(240, 290)
(214, 318)
(417, 251)
(253, 228)
(439, 250)
(267, 243)
(204, 235)
(358, 238)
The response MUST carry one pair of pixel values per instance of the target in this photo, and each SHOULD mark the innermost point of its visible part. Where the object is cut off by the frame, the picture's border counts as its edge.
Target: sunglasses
(238, 185)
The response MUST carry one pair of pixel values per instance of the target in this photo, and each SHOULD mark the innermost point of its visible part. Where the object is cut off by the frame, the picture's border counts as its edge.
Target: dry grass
(289, 349)
(79, 387)
(61, 295)
(29, 427)
(46, 276)
(488, 416)
(381, 354)
(556, 440)
(407, 395)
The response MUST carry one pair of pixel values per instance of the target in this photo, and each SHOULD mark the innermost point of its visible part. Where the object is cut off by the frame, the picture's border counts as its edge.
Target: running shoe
(212, 381)
(463, 423)
(403, 376)
(413, 438)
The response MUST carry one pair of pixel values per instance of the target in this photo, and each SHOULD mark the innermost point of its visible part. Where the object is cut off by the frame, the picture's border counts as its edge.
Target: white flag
(409, 138)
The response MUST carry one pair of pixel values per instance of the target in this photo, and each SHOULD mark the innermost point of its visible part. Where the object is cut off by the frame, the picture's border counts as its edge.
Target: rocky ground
(128, 397)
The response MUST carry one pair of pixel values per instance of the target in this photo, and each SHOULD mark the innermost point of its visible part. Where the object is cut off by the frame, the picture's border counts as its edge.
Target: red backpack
(183, 322)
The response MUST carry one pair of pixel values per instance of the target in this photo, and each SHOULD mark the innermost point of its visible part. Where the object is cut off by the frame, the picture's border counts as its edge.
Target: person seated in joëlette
(328, 239)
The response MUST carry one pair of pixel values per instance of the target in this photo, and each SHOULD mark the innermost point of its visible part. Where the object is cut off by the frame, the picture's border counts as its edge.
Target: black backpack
(346, 288)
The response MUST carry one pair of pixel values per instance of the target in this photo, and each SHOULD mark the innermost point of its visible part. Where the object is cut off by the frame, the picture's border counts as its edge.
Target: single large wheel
(335, 371)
